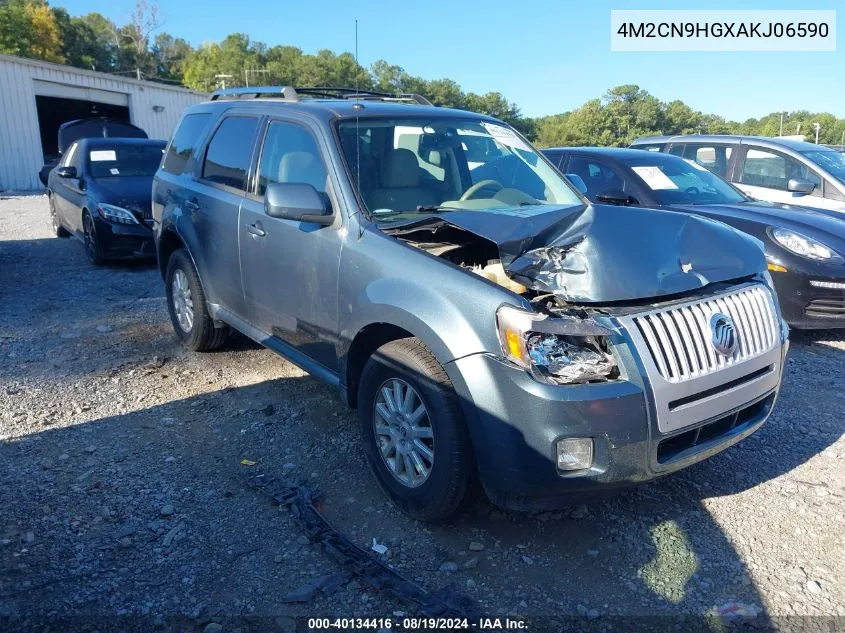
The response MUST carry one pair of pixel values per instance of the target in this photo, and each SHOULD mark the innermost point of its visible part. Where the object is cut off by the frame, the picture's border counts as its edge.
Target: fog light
(574, 453)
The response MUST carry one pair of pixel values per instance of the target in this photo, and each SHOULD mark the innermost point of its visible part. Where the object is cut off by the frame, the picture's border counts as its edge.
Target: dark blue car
(101, 192)
(805, 248)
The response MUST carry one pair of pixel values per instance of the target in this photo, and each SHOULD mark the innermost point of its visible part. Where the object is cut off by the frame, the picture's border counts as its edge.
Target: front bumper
(124, 241)
(515, 421)
(808, 307)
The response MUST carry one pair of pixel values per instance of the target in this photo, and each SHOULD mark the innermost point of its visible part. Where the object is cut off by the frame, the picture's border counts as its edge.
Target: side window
(229, 152)
(677, 150)
(598, 178)
(290, 154)
(185, 142)
(715, 158)
(763, 168)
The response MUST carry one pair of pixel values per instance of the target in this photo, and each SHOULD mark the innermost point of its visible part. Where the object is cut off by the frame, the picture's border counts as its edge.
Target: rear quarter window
(185, 141)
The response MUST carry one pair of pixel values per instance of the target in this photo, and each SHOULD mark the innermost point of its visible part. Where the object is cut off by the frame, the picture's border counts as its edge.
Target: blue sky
(546, 56)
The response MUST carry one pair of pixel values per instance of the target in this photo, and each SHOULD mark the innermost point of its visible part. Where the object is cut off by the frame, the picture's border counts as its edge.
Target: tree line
(139, 48)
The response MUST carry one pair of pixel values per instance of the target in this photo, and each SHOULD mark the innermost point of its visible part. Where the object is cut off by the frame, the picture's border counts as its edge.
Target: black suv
(486, 320)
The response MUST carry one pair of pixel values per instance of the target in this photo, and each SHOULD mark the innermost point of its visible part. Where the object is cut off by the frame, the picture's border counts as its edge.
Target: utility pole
(780, 133)
(817, 127)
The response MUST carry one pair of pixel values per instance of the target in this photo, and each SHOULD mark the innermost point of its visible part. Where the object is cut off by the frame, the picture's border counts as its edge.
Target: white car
(772, 169)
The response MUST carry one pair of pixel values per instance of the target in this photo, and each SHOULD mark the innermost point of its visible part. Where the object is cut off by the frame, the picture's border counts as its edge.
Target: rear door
(716, 157)
(764, 173)
(290, 268)
(214, 204)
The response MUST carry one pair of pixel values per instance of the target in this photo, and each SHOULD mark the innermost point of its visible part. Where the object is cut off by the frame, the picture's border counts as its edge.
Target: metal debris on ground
(300, 499)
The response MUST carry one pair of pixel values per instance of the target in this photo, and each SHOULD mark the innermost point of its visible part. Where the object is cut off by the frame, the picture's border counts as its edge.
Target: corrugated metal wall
(20, 139)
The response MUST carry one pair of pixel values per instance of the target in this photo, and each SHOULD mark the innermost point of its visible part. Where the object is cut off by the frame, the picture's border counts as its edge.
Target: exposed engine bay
(574, 263)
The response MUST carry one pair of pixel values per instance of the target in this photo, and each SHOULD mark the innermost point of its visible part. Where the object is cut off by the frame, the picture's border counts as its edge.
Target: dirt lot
(121, 490)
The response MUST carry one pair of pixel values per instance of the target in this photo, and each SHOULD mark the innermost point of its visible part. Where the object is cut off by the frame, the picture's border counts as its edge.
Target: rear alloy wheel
(187, 306)
(89, 237)
(58, 229)
(415, 438)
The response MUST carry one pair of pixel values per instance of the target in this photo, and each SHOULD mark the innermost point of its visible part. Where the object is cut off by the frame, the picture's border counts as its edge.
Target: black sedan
(805, 248)
(101, 191)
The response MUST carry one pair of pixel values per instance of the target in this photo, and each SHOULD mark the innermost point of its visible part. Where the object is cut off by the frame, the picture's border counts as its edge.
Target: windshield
(832, 161)
(680, 181)
(404, 168)
(124, 160)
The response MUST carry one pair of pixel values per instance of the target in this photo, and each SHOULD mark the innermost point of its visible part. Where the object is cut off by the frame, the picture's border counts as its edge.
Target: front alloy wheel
(89, 237)
(403, 432)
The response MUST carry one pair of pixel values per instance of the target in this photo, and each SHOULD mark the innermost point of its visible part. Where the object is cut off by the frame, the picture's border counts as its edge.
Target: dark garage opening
(53, 111)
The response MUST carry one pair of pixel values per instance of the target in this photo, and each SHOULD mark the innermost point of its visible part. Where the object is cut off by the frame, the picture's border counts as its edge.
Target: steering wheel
(483, 184)
(693, 191)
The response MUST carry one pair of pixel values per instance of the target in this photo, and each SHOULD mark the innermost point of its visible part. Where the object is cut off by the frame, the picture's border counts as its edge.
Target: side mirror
(799, 185)
(578, 183)
(296, 201)
(66, 172)
(615, 196)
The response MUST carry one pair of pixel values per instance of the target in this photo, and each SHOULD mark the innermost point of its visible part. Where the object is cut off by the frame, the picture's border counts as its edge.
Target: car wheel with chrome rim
(415, 438)
(187, 306)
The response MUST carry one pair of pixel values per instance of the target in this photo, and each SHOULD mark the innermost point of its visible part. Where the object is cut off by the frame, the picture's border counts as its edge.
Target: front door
(765, 174)
(290, 268)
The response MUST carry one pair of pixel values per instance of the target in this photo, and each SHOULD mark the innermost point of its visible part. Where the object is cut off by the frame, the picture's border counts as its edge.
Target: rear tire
(445, 489)
(187, 306)
(58, 229)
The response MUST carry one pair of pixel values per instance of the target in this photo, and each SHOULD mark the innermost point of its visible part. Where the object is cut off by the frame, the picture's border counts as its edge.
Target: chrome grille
(679, 338)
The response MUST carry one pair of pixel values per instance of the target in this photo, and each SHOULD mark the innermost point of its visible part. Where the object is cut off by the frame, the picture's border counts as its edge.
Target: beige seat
(400, 184)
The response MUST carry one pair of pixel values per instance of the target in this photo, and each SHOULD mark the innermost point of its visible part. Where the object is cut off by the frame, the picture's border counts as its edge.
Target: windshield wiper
(433, 208)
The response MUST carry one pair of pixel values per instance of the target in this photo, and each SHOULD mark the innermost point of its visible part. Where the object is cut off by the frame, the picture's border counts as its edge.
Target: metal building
(37, 97)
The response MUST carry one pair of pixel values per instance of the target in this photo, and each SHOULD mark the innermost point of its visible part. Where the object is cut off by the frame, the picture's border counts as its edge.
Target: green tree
(29, 28)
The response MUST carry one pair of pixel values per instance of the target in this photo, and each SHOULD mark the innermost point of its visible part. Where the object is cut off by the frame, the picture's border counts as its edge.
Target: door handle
(191, 205)
(255, 229)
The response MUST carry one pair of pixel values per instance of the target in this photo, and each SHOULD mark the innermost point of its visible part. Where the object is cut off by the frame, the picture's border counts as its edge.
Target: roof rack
(289, 93)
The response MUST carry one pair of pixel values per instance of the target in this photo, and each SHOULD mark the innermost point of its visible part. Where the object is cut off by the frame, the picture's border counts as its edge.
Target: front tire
(415, 438)
(89, 238)
(187, 306)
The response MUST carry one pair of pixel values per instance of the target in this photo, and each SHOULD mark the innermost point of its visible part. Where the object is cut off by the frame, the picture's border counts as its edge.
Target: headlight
(804, 246)
(560, 350)
(115, 214)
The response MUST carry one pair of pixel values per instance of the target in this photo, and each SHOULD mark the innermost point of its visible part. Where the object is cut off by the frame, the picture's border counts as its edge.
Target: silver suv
(489, 324)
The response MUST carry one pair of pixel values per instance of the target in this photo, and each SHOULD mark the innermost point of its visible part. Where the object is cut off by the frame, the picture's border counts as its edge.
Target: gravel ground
(121, 492)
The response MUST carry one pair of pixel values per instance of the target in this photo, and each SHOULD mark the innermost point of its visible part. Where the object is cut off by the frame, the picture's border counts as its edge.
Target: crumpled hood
(605, 253)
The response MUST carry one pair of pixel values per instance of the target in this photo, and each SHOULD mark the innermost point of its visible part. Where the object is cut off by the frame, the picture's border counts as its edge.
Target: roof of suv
(770, 141)
(328, 103)
(347, 108)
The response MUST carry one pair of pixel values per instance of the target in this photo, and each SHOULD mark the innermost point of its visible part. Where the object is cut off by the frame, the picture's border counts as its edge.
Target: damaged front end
(560, 350)
(575, 262)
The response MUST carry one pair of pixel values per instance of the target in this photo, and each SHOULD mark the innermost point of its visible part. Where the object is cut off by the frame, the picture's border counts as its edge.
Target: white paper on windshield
(98, 155)
(505, 136)
(114, 171)
(653, 177)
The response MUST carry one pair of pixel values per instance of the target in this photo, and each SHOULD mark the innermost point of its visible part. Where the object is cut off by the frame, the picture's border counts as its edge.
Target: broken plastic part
(565, 362)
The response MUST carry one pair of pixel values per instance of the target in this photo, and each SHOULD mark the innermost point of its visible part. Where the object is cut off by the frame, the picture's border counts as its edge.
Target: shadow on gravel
(145, 513)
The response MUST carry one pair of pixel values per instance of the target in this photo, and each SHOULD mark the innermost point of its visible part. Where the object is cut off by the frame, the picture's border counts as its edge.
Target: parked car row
(803, 246)
(492, 322)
